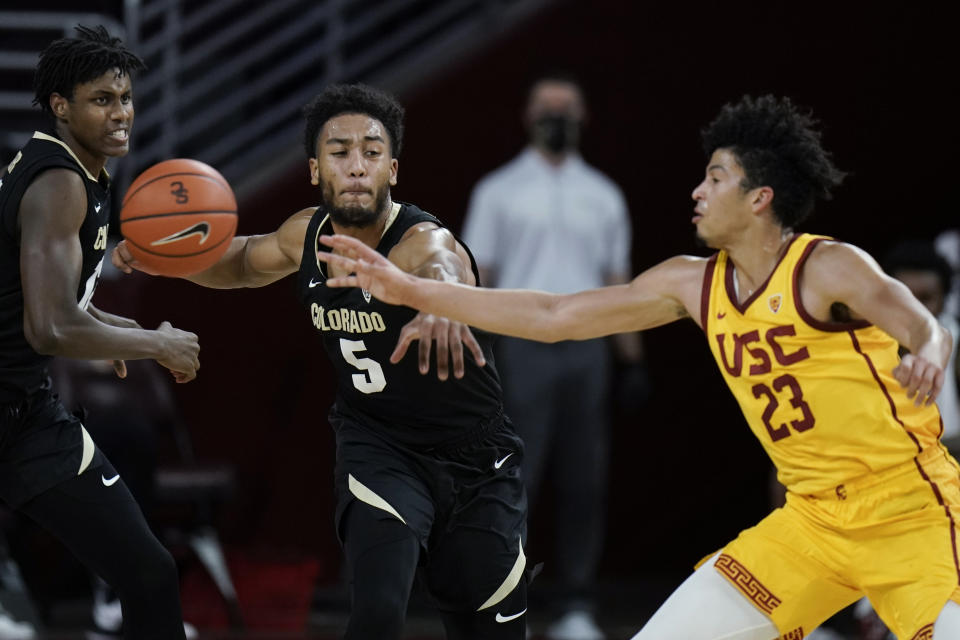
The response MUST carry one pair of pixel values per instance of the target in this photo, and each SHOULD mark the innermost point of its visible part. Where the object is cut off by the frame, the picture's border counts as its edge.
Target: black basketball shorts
(41, 445)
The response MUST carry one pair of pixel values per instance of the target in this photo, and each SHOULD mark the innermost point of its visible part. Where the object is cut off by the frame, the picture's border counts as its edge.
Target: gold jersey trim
(39, 135)
(394, 212)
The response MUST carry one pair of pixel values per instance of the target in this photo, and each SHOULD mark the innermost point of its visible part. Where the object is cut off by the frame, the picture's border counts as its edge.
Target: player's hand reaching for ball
(449, 336)
(368, 269)
(123, 260)
(181, 351)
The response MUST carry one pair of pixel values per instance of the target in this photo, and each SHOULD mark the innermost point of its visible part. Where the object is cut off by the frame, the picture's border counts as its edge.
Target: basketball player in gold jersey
(805, 331)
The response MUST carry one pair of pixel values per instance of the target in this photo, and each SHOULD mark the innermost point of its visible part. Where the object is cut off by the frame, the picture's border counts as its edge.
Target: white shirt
(948, 400)
(554, 228)
(947, 244)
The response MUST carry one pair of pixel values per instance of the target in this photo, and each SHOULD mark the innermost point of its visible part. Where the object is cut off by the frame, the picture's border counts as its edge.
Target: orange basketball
(178, 217)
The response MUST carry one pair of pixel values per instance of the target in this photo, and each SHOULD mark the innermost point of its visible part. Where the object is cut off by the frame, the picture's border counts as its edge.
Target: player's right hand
(181, 352)
(450, 338)
(920, 378)
(122, 259)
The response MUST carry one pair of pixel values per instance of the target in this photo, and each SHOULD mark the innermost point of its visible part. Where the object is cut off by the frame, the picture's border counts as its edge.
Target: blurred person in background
(929, 276)
(547, 220)
(947, 243)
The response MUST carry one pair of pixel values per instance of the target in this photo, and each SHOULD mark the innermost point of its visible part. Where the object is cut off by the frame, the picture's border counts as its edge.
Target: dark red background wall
(687, 475)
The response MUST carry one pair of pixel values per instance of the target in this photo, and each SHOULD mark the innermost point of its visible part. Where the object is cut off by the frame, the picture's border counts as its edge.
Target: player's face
(354, 169)
(96, 123)
(723, 208)
(555, 98)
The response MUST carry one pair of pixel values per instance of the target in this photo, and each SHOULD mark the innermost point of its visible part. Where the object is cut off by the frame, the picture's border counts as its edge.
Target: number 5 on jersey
(373, 380)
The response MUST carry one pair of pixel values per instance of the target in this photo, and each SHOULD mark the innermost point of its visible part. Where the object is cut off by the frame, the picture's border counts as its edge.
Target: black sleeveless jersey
(21, 368)
(360, 332)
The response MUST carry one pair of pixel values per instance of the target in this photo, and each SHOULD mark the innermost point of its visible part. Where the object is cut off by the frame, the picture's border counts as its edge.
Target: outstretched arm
(667, 292)
(250, 261)
(872, 295)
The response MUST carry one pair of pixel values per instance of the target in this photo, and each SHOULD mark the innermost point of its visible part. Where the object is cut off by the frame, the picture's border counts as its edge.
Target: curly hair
(338, 99)
(778, 146)
(67, 62)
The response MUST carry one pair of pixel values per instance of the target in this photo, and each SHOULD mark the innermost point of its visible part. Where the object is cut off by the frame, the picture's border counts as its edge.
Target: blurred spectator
(948, 246)
(547, 220)
(11, 628)
(929, 277)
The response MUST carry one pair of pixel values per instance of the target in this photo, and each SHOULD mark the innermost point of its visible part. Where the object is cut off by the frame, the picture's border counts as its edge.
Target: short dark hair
(558, 76)
(918, 255)
(338, 99)
(778, 146)
(67, 62)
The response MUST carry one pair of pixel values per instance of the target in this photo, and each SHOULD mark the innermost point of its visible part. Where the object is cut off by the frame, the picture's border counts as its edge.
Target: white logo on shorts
(501, 618)
(111, 481)
(499, 463)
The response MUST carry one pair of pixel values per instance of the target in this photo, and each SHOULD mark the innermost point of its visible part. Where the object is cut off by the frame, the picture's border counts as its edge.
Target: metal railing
(22, 35)
(226, 79)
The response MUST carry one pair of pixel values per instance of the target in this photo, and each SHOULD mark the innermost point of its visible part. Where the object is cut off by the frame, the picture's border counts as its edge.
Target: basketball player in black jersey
(54, 214)
(427, 470)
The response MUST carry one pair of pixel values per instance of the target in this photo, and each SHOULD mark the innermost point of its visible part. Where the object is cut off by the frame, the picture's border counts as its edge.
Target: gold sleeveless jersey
(821, 397)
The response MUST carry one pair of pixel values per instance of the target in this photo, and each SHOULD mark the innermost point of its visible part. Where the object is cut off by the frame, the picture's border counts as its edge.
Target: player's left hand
(450, 338)
(921, 378)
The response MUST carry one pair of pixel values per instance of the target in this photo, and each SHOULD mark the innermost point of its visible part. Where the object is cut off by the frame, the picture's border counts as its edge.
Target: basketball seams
(220, 182)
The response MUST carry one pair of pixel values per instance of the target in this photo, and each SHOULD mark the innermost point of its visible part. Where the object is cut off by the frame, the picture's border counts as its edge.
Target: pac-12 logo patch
(366, 295)
(775, 301)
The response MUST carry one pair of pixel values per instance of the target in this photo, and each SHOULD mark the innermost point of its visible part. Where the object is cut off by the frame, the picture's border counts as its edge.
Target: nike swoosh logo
(312, 284)
(201, 229)
(111, 481)
(721, 315)
(499, 463)
(501, 618)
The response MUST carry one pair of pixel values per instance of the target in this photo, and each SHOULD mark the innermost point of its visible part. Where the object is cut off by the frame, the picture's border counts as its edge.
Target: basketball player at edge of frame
(805, 331)
(427, 468)
(54, 214)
